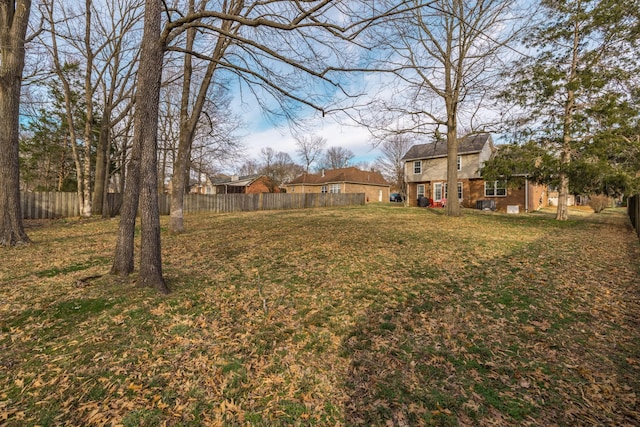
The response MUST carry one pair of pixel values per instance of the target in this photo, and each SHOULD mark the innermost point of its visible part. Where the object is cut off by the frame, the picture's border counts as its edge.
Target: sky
(260, 133)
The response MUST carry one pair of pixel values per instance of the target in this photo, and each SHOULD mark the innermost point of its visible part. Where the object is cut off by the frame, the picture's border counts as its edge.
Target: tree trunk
(453, 206)
(88, 124)
(123, 261)
(102, 159)
(14, 18)
(142, 177)
(189, 122)
(179, 183)
(562, 213)
(69, 113)
(181, 169)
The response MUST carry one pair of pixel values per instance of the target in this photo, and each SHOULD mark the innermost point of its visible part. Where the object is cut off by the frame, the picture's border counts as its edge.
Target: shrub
(599, 202)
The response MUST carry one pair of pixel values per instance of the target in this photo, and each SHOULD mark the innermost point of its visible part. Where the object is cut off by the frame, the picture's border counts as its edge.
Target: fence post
(48, 205)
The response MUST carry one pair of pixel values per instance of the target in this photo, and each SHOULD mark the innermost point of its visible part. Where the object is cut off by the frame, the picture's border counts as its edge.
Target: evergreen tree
(573, 95)
(45, 158)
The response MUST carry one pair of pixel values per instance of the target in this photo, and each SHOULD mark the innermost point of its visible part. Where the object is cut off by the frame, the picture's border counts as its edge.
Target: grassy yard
(374, 315)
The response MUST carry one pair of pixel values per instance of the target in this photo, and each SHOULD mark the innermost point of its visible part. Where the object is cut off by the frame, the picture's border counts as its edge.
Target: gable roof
(237, 181)
(351, 174)
(466, 145)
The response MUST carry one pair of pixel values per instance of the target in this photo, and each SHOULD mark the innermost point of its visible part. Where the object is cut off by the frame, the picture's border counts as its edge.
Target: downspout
(526, 194)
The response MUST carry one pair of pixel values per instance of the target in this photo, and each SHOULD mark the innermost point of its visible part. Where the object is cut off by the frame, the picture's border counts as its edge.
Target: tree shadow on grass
(524, 340)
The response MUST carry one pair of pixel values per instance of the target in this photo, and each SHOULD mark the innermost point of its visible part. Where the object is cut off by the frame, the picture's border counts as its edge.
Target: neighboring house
(426, 177)
(344, 180)
(249, 184)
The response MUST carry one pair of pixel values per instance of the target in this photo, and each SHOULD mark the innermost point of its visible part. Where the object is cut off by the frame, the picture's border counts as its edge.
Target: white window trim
(323, 189)
(335, 188)
(443, 187)
(459, 163)
(494, 186)
(417, 167)
(445, 191)
(418, 190)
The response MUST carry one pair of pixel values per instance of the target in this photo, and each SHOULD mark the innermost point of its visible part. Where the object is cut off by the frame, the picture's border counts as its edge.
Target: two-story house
(426, 177)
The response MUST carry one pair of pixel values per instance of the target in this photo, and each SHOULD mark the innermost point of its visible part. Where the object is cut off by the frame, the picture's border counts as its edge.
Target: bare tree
(115, 66)
(249, 167)
(285, 169)
(281, 25)
(142, 177)
(14, 20)
(279, 166)
(336, 158)
(122, 135)
(445, 57)
(266, 159)
(390, 161)
(217, 138)
(191, 107)
(310, 149)
(102, 36)
(81, 155)
(273, 48)
(169, 134)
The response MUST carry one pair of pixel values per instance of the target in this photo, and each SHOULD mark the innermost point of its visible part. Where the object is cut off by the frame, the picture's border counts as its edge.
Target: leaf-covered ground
(375, 315)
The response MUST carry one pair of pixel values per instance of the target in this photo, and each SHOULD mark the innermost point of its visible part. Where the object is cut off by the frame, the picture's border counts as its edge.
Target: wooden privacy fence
(633, 208)
(42, 205)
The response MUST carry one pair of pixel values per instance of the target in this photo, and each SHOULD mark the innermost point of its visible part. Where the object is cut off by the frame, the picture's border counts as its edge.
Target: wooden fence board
(38, 205)
(633, 209)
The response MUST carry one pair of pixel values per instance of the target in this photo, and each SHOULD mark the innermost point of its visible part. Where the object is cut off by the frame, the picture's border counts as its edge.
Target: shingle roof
(351, 174)
(466, 145)
(240, 181)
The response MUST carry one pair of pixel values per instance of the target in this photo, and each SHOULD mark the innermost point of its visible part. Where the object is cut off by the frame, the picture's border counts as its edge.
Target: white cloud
(352, 137)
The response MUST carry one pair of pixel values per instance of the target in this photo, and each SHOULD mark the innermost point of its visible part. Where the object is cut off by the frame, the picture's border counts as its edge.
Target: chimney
(234, 178)
(323, 173)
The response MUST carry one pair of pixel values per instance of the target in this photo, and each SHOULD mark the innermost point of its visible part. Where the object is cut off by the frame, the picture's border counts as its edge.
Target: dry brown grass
(376, 315)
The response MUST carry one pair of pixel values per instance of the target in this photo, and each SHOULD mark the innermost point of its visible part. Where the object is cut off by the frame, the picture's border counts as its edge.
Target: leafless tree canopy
(441, 55)
(310, 149)
(390, 161)
(442, 58)
(336, 158)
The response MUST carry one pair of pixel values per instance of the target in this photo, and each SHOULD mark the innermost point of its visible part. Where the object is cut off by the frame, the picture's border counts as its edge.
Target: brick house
(248, 184)
(426, 177)
(344, 180)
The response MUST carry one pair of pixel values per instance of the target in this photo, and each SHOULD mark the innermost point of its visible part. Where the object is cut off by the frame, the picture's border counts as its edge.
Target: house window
(417, 166)
(459, 162)
(438, 191)
(324, 189)
(335, 188)
(495, 189)
(420, 190)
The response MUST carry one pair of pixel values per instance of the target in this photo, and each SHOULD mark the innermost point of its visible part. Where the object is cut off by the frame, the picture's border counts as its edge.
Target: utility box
(486, 205)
